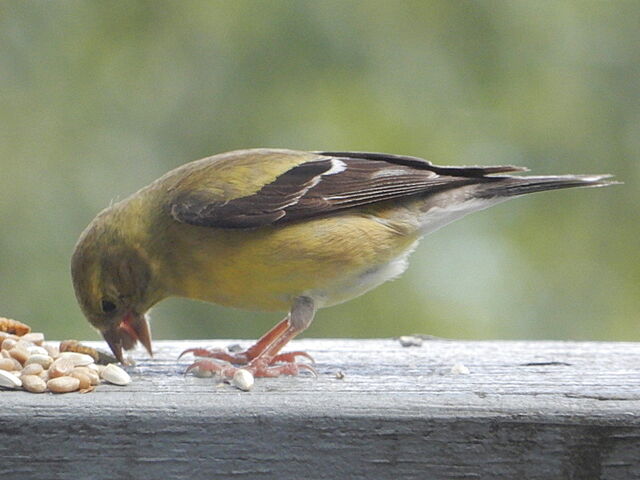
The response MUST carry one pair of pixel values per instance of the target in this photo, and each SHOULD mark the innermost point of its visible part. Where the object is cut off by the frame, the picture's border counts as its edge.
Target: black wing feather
(416, 162)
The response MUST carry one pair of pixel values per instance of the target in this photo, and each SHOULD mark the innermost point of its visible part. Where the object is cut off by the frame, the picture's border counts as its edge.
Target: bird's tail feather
(511, 186)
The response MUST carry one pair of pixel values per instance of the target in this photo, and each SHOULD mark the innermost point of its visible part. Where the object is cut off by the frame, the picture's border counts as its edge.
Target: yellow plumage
(271, 229)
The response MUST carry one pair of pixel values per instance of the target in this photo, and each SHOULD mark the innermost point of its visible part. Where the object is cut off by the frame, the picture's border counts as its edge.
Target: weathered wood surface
(529, 410)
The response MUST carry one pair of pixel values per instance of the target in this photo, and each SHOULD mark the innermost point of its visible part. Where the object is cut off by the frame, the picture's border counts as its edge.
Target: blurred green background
(100, 98)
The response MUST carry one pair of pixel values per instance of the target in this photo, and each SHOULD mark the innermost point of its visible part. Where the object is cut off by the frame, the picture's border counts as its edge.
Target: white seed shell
(63, 384)
(9, 380)
(85, 381)
(8, 343)
(410, 341)
(78, 359)
(34, 337)
(44, 360)
(19, 353)
(92, 374)
(460, 369)
(9, 364)
(36, 350)
(242, 379)
(114, 374)
(53, 350)
(61, 367)
(22, 344)
(32, 369)
(96, 368)
(33, 384)
(4, 335)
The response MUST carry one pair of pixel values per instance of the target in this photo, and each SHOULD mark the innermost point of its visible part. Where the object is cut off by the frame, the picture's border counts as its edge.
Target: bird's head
(111, 278)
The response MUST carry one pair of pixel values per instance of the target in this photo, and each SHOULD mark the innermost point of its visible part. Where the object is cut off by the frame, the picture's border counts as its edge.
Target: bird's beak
(131, 329)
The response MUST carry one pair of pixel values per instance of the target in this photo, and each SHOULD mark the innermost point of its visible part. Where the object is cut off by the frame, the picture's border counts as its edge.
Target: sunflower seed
(114, 374)
(242, 379)
(9, 380)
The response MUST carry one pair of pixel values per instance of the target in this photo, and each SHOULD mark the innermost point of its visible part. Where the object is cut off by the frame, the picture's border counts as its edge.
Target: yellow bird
(274, 230)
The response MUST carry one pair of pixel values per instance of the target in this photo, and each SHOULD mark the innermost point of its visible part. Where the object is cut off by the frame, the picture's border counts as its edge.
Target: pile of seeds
(27, 362)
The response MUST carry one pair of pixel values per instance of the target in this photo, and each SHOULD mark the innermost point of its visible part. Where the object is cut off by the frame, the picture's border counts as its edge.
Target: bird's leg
(245, 356)
(259, 359)
(300, 317)
(271, 337)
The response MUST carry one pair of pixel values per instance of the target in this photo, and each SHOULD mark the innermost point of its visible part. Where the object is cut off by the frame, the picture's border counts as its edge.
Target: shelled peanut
(27, 362)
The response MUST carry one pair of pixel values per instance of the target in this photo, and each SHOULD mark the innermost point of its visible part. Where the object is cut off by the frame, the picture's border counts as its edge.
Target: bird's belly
(327, 284)
(355, 285)
(331, 261)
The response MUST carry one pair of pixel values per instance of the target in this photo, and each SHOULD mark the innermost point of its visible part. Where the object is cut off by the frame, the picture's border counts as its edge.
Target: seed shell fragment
(63, 384)
(78, 359)
(19, 353)
(61, 367)
(116, 375)
(44, 360)
(9, 364)
(37, 338)
(13, 326)
(93, 376)
(27, 361)
(99, 356)
(33, 384)
(32, 369)
(460, 369)
(9, 380)
(242, 379)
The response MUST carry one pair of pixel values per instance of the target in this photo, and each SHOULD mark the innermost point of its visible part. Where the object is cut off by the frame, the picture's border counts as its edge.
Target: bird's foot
(244, 357)
(259, 367)
(264, 366)
(239, 358)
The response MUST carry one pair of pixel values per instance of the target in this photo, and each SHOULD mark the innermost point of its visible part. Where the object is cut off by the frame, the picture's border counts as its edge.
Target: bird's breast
(330, 259)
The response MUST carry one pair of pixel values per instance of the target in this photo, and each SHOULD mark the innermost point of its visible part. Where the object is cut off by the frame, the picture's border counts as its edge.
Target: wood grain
(531, 410)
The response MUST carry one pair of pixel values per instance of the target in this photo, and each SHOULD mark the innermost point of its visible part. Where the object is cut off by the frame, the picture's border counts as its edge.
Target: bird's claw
(239, 358)
(259, 367)
(262, 368)
(244, 357)
(202, 367)
(291, 357)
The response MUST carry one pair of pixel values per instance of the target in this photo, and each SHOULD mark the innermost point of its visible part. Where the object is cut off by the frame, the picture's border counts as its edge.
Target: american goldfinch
(274, 229)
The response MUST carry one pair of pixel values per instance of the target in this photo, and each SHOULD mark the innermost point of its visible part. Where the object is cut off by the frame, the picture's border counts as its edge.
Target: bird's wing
(323, 183)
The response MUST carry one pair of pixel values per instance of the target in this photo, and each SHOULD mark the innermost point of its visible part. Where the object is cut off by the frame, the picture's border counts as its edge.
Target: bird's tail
(512, 186)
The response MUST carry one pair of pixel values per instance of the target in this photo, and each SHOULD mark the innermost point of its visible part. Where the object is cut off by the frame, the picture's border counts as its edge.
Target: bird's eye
(107, 306)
